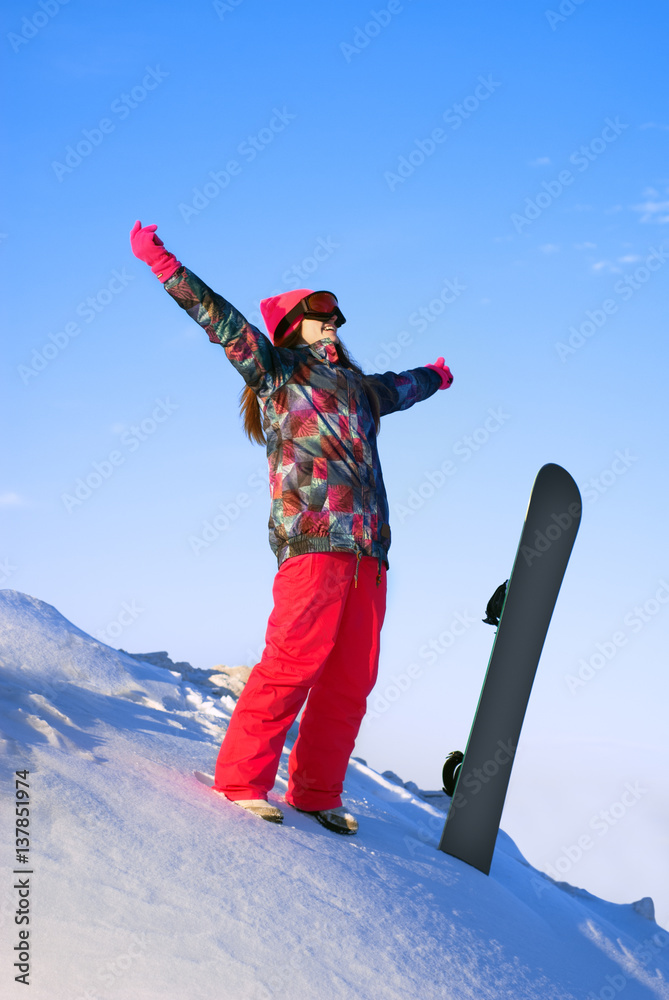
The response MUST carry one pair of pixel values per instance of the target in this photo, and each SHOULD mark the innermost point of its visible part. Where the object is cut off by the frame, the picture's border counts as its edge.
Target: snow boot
(338, 820)
(260, 807)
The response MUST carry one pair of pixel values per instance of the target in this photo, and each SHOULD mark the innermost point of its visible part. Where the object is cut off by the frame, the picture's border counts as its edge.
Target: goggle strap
(284, 323)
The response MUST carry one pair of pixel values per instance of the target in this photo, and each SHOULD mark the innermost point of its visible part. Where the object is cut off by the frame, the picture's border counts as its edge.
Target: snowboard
(551, 522)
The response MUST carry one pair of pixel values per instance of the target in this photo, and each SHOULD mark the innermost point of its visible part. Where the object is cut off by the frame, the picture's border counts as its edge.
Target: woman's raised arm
(259, 362)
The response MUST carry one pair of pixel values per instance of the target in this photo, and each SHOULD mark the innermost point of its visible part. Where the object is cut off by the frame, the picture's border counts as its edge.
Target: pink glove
(150, 248)
(443, 371)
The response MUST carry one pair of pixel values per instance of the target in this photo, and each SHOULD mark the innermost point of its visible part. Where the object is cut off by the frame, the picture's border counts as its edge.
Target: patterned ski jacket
(326, 485)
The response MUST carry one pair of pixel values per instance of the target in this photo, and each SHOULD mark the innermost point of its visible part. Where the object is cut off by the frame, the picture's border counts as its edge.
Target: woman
(319, 416)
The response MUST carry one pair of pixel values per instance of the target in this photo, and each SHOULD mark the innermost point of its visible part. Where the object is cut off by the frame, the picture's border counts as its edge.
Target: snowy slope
(147, 884)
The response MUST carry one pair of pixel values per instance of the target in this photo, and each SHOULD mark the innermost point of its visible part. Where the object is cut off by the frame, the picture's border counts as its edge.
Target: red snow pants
(322, 641)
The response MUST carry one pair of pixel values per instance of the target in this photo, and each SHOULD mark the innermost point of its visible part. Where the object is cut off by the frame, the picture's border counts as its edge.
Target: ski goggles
(317, 305)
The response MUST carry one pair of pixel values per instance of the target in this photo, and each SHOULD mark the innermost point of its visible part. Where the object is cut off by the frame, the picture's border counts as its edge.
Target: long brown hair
(249, 405)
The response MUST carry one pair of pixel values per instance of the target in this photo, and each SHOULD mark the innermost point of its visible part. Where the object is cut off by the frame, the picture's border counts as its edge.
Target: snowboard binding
(451, 771)
(493, 611)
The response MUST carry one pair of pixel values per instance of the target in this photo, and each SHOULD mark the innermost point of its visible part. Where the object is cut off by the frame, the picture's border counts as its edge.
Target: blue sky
(485, 182)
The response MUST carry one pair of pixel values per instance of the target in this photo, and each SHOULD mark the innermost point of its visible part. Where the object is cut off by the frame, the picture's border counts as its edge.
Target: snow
(147, 884)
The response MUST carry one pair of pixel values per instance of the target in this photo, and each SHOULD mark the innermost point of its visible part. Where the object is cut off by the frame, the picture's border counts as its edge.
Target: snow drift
(147, 884)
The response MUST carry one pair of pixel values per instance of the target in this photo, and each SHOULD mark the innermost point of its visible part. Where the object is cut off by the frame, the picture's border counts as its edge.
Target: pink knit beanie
(275, 308)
